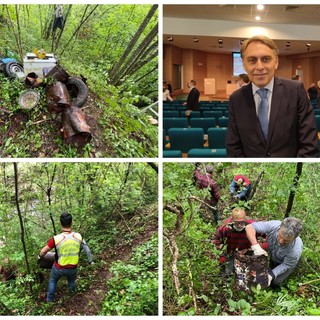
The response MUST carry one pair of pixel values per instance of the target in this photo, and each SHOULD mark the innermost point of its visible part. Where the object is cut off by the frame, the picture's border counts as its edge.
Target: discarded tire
(78, 90)
(12, 68)
(74, 127)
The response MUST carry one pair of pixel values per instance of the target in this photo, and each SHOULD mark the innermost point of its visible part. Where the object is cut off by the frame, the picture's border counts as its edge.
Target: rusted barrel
(74, 127)
(58, 98)
(47, 261)
(57, 72)
(250, 270)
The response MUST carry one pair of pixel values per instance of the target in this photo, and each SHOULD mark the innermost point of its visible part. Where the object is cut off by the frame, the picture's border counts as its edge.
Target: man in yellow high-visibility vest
(68, 245)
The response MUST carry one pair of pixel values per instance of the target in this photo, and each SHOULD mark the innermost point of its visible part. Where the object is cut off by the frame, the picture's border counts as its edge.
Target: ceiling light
(260, 7)
(220, 41)
(170, 38)
(308, 45)
(258, 18)
(195, 40)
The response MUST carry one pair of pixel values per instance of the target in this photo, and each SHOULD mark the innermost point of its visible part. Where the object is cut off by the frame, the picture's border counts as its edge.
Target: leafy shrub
(134, 288)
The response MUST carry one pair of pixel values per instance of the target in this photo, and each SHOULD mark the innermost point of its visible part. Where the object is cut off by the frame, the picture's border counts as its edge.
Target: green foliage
(133, 289)
(120, 128)
(197, 262)
(98, 197)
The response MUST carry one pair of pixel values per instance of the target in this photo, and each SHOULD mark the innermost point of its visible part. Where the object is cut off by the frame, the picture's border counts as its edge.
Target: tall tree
(294, 188)
(113, 74)
(22, 232)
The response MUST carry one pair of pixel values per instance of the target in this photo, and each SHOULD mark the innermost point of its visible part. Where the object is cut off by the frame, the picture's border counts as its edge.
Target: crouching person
(284, 246)
(68, 245)
(232, 237)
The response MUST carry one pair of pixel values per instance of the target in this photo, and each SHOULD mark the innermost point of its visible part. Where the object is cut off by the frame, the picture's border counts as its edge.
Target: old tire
(11, 68)
(78, 91)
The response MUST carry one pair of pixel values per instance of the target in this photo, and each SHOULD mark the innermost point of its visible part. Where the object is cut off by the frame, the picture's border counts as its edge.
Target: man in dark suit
(193, 97)
(270, 117)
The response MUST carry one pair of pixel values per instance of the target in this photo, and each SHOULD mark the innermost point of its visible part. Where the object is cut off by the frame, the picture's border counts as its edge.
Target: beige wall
(198, 65)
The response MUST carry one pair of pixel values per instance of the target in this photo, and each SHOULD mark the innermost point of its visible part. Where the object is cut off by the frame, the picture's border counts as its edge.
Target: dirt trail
(89, 302)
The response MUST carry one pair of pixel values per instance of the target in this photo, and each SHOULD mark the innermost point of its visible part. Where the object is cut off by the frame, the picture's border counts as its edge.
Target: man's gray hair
(291, 227)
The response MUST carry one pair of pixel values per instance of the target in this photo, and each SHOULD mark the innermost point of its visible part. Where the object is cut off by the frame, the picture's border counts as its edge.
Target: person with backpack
(67, 245)
(205, 181)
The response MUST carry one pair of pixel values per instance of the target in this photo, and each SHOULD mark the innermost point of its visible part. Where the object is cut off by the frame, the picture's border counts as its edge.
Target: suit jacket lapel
(275, 106)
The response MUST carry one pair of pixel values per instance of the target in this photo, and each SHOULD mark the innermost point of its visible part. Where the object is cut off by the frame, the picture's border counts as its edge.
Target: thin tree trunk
(294, 188)
(48, 192)
(81, 23)
(19, 33)
(56, 40)
(132, 43)
(135, 56)
(22, 232)
(12, 28)
(255, 186)
(153, 166)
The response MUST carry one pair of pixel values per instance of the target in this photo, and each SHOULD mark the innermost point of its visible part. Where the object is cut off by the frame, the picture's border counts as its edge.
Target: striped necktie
(263, 111)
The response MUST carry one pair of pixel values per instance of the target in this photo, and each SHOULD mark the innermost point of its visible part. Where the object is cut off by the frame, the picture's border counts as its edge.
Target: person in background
(313, 95)
(313, 91)
(7, 271)
(270, 117)
(296, 77)
(169, 86)
(205, 181)
(192, 103)
(240, 187)
(68, 245)
(284, 246)
(166, 93)
(243, 79)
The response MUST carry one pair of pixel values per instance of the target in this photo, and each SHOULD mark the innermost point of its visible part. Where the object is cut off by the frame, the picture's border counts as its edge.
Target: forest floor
(47, 127)
(88, 302)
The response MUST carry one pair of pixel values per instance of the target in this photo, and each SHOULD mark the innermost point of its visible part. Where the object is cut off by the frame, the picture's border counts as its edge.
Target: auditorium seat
(172, 154)
(174, 123)
(207, 153)
(184, 139)
(217, 138)
(203, 123)
(223, 122)
(171, 114)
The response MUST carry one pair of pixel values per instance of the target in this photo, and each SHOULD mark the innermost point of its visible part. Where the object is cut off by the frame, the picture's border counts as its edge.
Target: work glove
(39, 257)
(258, 251)
(270, 277)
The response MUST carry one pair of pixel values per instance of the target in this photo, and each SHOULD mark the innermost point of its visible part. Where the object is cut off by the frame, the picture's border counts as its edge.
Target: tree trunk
(56, 39)
(22, 232)
(153, 166)
(19, 33)
(81, 23)
(114, 71)
(294, 188)
(48, 191)
(255, 186)
(134, 59)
